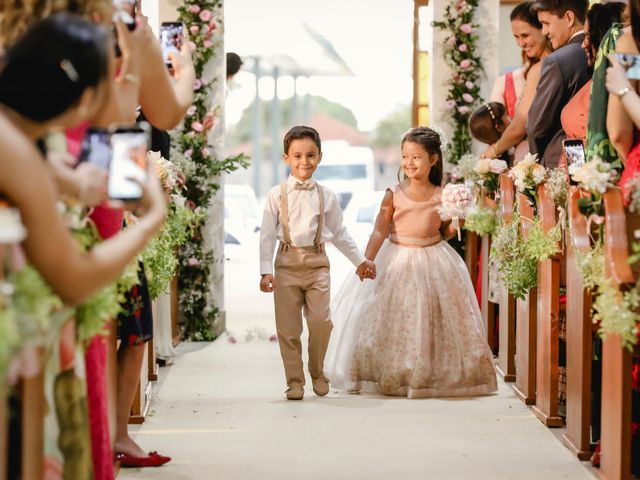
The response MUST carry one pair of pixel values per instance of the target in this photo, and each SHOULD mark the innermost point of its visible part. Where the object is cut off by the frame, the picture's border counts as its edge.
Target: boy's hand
(366, 269)
(267, 283)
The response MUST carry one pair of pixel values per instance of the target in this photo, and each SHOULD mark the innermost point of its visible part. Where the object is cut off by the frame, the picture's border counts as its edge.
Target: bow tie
(304, 186)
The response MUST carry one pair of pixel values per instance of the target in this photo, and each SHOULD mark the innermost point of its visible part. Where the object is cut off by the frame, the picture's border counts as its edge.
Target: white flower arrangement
(527, 174)
(456, 200)
(11, 228)
(595, 176)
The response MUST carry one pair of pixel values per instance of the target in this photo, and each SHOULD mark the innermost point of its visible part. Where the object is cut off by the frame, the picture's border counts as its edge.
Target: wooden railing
(507, 308)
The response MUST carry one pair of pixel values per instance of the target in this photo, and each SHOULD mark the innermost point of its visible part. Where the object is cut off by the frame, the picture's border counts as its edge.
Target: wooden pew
(579, 336)
(526, 311)
(32, 416)
(141, 399)
(507, 309)
(548, 323)
(471, 255)
(615, 440)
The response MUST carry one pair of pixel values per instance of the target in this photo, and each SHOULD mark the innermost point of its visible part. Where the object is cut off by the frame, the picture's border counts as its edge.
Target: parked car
(360, 215)
(346, 170)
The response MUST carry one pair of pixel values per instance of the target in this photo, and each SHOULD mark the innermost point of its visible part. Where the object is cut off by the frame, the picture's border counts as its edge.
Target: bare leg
(130, 360)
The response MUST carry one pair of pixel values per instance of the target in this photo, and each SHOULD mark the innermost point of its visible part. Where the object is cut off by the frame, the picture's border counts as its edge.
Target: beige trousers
(302, 286)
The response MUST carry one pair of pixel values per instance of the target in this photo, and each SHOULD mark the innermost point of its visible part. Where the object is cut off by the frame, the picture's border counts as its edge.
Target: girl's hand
(366, 269)
(616, 76)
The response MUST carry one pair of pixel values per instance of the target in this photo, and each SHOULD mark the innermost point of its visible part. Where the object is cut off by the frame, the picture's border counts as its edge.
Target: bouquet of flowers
(170, 175)
(489, 170)
(527, 174)
(456, 199)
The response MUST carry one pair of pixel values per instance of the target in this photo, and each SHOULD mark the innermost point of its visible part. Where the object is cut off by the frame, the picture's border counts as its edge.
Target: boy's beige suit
(302, 216)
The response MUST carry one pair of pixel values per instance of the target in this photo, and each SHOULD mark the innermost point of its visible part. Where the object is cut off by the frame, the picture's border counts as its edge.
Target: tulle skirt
(414, 331)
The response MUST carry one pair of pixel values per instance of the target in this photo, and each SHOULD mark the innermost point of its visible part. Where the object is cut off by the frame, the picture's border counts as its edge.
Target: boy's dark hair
(432, 144)
(560, 7)
(299, 132)
(234, 62)
(485, 120)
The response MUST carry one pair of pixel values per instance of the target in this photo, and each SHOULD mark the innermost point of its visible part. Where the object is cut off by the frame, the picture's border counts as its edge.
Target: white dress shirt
(304, 212)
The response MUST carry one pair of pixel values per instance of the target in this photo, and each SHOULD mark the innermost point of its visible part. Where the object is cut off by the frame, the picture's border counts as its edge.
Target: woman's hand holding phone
(93, 184)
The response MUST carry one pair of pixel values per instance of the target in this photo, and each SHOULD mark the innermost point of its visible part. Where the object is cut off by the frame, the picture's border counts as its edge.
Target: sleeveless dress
(416, 330)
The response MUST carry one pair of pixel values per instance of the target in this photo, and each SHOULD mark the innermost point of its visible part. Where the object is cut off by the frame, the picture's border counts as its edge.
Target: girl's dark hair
(430, 141)
(601, 16)
(485, 120)
(299, 132)
(47, 70)
(635, 21)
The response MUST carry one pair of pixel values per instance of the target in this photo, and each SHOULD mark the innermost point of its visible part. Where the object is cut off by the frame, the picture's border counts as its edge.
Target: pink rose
(464, 109)
(197, 127)
(194, 9)
(451, 41)
(212, 25)
(466, 63)
(467, 98)
(191, 111)
(208, 121)
(450, 104)
(470, 85)
(205, 152)
(205, 15)
(463, 47)
(193, 261)
(188, 153)
(194, 29)
(197, 84)
(208, 44)
(466, 28)
(191, 205)
(192, 45)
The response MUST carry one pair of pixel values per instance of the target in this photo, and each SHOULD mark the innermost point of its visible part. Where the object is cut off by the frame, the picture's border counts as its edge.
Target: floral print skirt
(135, 322)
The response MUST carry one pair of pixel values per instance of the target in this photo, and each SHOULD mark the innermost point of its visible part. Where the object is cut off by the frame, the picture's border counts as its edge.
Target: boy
(302, 216)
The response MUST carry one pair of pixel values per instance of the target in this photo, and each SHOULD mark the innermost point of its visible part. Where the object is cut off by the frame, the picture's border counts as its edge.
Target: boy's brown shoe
(295, 392)
(321, 387)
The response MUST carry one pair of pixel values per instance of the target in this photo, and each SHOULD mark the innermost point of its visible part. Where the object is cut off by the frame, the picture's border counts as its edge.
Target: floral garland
(193, 153)
(460, 53)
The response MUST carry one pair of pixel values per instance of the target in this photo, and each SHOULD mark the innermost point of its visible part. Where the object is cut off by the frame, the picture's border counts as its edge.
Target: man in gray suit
(563, 73)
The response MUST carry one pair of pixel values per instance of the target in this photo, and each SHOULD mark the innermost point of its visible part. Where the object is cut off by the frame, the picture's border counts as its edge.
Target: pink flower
(191, 205)
(207, 44)
(464, 109)
(197, 84)
(450, 104)
(463, 47)
(451, 41)
(205, 15)
(194, 9)
(192, 45)
(197, 127)
(466, 63)
(273, 338)
(205, 152)
(467, 98)
(188, 153)
(212, 25)
(193, 261)
(466, 28)
(470, 85)
(191, 111)
(461, 5)
(232, 339)
(194, 29)
(208, 121)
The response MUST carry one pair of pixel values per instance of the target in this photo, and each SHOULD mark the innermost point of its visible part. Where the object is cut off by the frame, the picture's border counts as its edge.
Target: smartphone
(574, 152)
(129, 145)
(631, 64)
(96, 148)
(171, 39)
(126, 10)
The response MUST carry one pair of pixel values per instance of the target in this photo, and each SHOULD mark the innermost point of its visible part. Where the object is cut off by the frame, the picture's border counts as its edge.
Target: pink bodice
(415, 223)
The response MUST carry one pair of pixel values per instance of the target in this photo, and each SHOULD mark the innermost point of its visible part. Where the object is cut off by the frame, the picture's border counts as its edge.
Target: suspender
(284, 216)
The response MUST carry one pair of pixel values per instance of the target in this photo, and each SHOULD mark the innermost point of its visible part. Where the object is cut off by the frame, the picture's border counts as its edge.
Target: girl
(488, 122)
(416, 330)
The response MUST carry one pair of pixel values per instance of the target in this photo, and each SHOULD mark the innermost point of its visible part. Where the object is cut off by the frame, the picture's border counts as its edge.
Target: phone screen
(574, 152)
(96, 148)
(171, 38)
(631, 64)
(129, 161)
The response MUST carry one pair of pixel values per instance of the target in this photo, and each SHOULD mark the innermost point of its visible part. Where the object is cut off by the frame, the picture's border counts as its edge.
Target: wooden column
(507, 309)
(615, 440)
(32, 400)
(579, 336)
(526, 311)
(471, 255)
(548, 323)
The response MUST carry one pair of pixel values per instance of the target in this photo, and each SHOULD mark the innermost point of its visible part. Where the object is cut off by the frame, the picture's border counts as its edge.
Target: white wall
(509, 52)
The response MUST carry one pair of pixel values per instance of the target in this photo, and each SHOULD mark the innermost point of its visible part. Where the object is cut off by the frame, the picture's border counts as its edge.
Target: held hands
(616, 76)
(366, 269)
(490, 152)
(267, 283)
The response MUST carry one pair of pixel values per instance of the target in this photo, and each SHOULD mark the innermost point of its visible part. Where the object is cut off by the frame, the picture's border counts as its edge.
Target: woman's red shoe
(154, 459)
